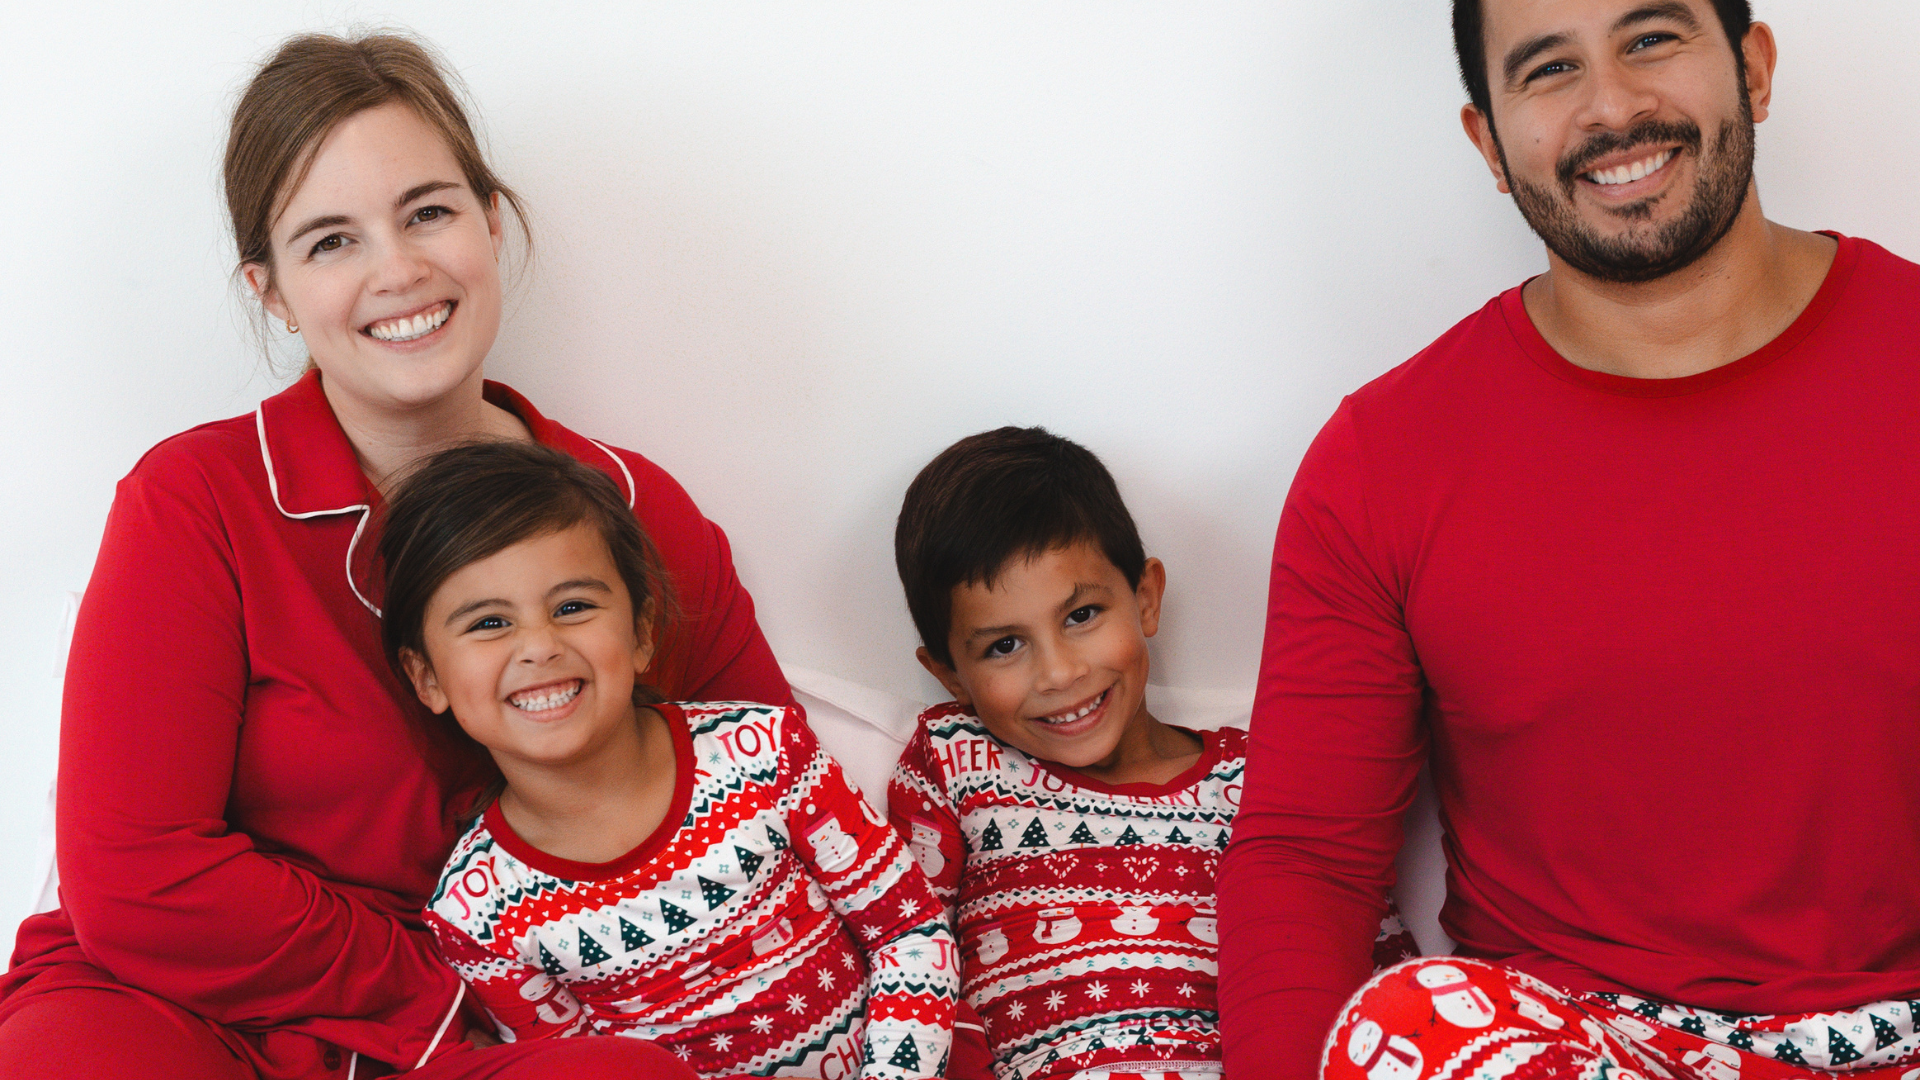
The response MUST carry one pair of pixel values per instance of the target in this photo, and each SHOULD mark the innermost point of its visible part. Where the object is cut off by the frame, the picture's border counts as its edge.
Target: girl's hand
(480, 1038)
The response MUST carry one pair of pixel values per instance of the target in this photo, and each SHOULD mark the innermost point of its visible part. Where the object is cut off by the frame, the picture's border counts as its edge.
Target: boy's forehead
(1039, 580)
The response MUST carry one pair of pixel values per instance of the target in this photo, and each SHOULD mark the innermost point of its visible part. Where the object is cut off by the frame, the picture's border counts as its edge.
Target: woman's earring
(292, 327)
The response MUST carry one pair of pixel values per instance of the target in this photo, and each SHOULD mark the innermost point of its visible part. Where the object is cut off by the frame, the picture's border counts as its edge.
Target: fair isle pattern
(778, 929)
(1086, 913)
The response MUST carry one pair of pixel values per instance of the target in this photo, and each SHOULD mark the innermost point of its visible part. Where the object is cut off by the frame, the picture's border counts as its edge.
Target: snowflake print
(683, 1052)
(1017, 1009)
(796, 1004)
(1140, 987)
(1186, 989)
(1097, 991)
(847, 961)
(1056, 999)
(826, 980)
(722, 1041)
(761, 1024)
(909, 908)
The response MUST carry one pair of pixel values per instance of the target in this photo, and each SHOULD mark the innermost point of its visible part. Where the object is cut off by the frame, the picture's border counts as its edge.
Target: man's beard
(1718, 193)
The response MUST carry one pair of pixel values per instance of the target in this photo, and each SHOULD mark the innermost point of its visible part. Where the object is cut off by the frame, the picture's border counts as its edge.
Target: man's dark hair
(1470, 45)
(998, 496)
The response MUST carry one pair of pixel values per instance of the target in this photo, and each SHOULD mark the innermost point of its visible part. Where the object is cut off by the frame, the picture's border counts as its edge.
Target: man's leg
(91, 1032)
(587, 1057)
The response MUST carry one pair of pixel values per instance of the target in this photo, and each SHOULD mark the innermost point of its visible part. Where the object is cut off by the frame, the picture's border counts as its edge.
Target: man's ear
(949, 678)
(260, 280)
(1147, 594)
(1480, 130)
(426, 685)
(1760, 52)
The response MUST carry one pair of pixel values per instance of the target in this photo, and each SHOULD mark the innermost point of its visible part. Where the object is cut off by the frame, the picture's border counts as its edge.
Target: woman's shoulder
(210, 456)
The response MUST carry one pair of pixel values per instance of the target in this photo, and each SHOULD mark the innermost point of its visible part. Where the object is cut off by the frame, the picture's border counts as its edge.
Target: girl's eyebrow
(472, 606)
(581, 583)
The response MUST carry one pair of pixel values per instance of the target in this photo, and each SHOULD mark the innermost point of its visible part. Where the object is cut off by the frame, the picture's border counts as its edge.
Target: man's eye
(1006, 646)
(330, 242)
(1545, 71)
(1082, 614)
(487, 622)
(1648, 41)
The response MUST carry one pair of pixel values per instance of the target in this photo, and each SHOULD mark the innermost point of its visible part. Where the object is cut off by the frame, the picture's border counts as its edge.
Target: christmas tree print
(714, 893)
(1884, 1033)
(1221, 842)
(632, 936)
(1840, 1050)
(1129, 837)
(1790, 1053)
(1035, 836)
(778, 841)
(907, 1056)
(1694, 1025)
(749, 862)
(1097, 1044)
(677, 920)
(590, 951)
(549, 964)
(1177, 837)
(1740, 1039)
(1082, 834)
(990, 839)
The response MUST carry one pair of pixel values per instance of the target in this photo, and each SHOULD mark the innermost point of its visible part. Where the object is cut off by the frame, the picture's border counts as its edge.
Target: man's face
(1623, 129)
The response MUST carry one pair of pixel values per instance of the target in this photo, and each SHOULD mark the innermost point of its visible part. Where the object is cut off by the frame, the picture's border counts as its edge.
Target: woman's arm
(161, 891)
(913, 972)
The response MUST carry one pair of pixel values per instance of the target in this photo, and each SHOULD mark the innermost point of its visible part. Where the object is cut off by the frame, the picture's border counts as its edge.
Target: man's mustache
(1665, 132)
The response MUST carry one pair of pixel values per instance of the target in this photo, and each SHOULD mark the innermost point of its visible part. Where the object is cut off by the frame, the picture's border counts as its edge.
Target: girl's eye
(329, 242)
(487, 622)
(573, 607)
(1081, 615)
(1006, 646)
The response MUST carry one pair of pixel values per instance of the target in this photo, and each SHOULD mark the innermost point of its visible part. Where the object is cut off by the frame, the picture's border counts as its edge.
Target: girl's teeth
(545, 699)
(407, 329)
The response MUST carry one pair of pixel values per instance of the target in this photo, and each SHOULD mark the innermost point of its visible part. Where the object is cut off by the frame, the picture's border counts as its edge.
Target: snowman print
(925, 843)
(1056, 926)
(993, 946)
(1135, 921)
(1382, 1057)
(1204, 928)
(833, 850)
(1458, 1001)
(772, 936)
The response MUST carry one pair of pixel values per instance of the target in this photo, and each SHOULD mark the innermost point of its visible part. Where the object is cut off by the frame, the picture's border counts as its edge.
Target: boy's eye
(1006, 646)
(1081, 615)
(487, 622)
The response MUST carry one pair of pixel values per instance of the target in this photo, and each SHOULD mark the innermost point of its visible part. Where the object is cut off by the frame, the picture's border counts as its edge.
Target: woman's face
(389, 265)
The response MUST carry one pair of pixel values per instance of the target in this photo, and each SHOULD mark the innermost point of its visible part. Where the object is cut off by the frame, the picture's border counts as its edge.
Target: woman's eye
(1006, 646)
(330, 242)
(431, 213)
(487, 622)
(1081, 615)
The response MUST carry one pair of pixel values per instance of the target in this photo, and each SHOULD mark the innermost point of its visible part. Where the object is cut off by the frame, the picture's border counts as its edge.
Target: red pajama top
(1662, 641)
(252, 809)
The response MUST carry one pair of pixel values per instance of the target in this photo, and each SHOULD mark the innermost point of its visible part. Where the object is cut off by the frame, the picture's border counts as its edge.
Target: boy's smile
(1053, 659)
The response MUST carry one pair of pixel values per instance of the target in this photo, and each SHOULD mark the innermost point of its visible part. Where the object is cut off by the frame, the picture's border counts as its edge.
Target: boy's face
(1053, 657)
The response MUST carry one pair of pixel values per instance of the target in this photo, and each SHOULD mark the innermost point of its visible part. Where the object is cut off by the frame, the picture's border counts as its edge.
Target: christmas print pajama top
(773, 925)
(1085, 910)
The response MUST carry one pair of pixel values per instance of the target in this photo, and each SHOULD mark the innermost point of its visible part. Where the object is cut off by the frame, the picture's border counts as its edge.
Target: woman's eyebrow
(328, 221)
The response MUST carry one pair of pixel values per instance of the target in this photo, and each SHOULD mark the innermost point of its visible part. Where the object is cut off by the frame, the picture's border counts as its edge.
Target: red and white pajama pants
(1450, 1018)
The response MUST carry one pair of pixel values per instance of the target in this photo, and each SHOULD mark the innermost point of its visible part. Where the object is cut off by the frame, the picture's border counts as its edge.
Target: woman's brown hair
(308, 87)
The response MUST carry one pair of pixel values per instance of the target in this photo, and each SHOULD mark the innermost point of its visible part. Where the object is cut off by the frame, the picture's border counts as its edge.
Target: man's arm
(1335, 747)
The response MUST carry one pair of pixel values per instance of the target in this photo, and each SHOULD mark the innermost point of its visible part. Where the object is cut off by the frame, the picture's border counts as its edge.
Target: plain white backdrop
(791, 250)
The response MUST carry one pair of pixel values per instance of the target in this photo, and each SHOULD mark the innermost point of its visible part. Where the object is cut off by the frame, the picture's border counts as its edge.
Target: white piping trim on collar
(365, 509)
(457, 998)
(631, 494)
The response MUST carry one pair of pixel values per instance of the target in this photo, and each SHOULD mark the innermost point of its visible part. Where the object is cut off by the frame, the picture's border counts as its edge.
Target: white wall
(790, 250)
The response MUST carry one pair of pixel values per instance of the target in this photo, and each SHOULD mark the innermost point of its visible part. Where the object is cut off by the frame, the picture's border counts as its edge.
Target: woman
(252, 810)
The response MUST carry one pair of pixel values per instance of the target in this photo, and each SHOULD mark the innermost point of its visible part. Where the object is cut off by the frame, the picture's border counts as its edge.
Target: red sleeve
(924, 815)
(1334, 750)
(161, 892)
(524, 1002)
(716, 652)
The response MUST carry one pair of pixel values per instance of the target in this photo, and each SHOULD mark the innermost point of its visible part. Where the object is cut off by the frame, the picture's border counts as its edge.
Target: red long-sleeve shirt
(252, 809)
(1662, 638)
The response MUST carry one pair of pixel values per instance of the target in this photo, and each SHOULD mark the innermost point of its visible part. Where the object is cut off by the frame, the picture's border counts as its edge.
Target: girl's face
(535, 649)
(389, 265)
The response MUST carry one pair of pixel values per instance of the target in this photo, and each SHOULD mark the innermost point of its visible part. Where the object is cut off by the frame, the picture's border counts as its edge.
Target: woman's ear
(259, 278)
(949, 678)
(425, 684)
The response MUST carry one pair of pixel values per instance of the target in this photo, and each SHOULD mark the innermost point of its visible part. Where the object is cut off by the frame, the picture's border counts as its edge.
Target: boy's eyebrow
(1074, 599)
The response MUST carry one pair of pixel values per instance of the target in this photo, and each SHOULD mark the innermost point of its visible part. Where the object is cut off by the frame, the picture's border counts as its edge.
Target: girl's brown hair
(308, 87)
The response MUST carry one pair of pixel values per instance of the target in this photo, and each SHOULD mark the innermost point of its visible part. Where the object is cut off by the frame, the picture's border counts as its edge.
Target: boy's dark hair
(464, 504)
(995, 497)
(1470, 45)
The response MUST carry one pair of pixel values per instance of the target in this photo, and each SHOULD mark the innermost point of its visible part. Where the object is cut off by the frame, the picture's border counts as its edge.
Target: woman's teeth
(1079, 713)
(1627, 174)
(416, 327)
(551, 697)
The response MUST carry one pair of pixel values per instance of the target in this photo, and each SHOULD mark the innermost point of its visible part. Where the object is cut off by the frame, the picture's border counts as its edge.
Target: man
(1632, 555)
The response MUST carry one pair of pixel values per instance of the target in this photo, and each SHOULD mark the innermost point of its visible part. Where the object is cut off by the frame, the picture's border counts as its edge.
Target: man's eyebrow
(1518, 56)
(1665, 9)
(328, 221)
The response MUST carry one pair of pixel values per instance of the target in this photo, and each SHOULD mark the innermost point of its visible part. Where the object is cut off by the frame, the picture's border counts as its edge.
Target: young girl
(700, 875)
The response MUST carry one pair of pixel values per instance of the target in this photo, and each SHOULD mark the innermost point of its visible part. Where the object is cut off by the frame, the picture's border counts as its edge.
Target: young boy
(1076, 834)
